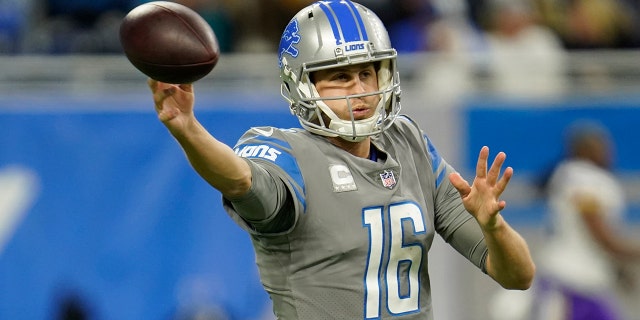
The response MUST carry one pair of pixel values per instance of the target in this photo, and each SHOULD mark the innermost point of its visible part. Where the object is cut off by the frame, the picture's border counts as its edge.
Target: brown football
(169, 42)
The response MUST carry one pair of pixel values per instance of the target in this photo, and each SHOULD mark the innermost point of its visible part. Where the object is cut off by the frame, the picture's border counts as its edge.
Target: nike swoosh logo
(266, 133)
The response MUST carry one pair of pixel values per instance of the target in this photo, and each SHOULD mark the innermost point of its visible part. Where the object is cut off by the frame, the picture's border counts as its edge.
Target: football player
(342, 212)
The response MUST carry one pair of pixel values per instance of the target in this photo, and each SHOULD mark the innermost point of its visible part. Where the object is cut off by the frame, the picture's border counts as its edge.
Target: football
(169, 42)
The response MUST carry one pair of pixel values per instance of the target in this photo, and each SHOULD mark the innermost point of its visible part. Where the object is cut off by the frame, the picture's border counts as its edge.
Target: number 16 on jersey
(402, 289)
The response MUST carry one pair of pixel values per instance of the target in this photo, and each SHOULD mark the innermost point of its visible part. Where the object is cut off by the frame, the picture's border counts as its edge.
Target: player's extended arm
(602, 232)
(509, 261)
(214, 161)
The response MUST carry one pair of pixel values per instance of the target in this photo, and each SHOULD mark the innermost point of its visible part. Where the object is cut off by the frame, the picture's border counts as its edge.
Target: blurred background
(101, 216)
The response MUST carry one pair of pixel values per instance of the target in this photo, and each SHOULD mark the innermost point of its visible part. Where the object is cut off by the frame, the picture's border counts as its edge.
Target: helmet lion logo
(290, 37)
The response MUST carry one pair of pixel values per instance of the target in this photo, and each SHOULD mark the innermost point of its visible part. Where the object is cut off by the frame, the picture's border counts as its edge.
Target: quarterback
(342, 212)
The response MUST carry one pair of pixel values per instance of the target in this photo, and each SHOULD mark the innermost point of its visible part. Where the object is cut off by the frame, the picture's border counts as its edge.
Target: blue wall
(531, 133)
(120, 220)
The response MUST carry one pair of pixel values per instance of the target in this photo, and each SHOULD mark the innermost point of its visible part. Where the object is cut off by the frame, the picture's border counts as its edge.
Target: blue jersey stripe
(275, 150)
(351, 27)
(440, 177)
(435, 157)
(436, 161)
(283, 159)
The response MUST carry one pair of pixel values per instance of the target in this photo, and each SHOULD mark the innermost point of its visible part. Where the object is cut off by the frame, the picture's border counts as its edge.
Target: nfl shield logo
(388, 179)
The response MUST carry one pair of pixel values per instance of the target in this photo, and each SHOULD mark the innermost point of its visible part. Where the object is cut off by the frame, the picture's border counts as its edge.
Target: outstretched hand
(482, 198)
(171, 101)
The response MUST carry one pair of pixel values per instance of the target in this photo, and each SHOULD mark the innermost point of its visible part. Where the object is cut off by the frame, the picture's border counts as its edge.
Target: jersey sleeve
(277, 187)
(454, 224)
(452, 221)
(267, 206)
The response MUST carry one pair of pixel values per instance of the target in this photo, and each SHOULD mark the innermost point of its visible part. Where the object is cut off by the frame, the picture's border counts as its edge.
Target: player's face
(349, 80)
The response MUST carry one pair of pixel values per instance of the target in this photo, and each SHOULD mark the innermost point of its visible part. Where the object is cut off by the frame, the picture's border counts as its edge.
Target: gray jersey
(356, 243)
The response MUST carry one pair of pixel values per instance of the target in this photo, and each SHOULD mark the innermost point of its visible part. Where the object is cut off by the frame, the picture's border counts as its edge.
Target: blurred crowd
(91, 27)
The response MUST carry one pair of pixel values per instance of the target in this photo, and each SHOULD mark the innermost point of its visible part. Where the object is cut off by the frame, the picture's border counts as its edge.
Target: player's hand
(171, 101)
(482, 198)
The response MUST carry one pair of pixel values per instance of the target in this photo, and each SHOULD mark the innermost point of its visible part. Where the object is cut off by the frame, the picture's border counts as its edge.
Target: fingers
(504, 181)
(493, 174)
(501, 205)
(169, 109)
(482, 198)
(161, 91)
(188, 87)
(156, 86)
(153, 84)
(460, 184)
(481, 166)
(496, 166)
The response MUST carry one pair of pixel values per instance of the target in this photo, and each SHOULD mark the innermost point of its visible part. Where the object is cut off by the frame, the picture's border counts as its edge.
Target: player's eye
(366, 74)
(340, 77)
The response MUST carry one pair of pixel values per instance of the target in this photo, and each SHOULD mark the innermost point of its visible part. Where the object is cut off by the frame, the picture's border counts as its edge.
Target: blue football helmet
(329, 34)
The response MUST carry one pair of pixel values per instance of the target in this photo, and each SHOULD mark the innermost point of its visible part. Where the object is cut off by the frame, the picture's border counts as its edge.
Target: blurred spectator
(454, 43)
(81, 26)
(578, 268)
(593, 24)
(84, 13)
(70, 27)
(525, 59)
(476, 13)
(632, 8)
(596, 24)
(409, 32)
(259, 23)
(92, 27)
(451, 30)
(216, 13)
(14, 22)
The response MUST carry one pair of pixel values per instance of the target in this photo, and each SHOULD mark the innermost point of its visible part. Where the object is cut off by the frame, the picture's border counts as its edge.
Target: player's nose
(359, 86)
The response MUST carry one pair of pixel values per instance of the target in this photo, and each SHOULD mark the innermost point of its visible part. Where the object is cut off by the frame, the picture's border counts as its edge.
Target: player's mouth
(361, 112)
